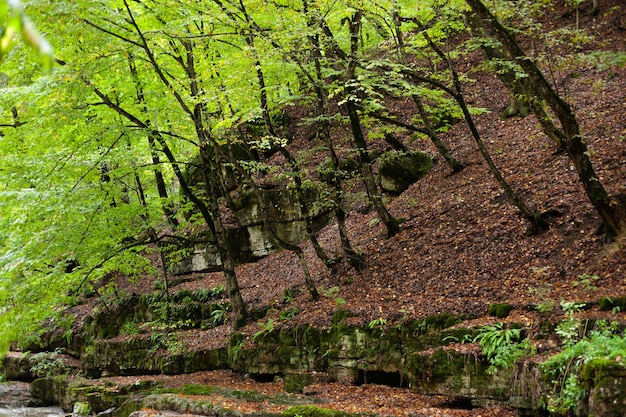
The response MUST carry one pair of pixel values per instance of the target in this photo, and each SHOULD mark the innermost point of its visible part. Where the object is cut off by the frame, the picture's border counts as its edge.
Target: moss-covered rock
(296, 382)
(610, 303)
(605, 381)
(398, 170)
(312, 411)
(456, 373)
(499, 310)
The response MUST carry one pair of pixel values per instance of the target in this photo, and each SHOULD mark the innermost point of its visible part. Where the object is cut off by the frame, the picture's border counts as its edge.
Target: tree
(183, 53)
(611, 208)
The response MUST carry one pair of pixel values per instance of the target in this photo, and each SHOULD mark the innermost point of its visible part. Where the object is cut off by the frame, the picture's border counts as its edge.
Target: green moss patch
(312, 411)
(499, 310)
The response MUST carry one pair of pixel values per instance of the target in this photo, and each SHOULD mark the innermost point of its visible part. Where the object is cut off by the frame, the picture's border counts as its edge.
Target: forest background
(97, 142)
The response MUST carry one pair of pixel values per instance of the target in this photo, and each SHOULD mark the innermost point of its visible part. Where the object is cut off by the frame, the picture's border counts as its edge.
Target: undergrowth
(569, 371)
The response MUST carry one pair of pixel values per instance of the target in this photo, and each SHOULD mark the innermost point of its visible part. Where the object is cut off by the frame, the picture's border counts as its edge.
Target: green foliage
(219, 314)
(15, 21)
(165, 340)
(129, 328)
(288, 314)
(605, 60)
(333, 292)
(502, 346)
(566, 370)
(78, 179)
(570, 328)
(379, 325)
(613, 304)
(266, 328)
(546, 304)
(586, 281)
(288, 296)
(46, 364)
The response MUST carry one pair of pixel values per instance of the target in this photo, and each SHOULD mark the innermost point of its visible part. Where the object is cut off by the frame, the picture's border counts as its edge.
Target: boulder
(398, 170)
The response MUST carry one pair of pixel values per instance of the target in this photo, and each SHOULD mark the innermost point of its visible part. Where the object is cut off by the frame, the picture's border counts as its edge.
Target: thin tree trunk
(156, 162)
(429, 130)
(249, 38)
(349, 254)
(455, 164)
(319, 251)
(612, 209)
(537, 220)
(265, 211)
(392, 225)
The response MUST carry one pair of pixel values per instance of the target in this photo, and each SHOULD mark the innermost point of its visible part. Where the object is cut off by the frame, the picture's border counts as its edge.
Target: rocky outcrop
(251, 239)
(424, 356)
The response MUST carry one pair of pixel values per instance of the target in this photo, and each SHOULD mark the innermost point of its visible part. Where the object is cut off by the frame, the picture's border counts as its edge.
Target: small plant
(333, 292)
(287, 314)
(219, 314)
(379, 324)
(46, 364)
(569, 329)
(129, 328)
(502, 346)
(165, 341)
(586, 281)
(266, 328)
(545, 305)
(288, 296)
(218, 289)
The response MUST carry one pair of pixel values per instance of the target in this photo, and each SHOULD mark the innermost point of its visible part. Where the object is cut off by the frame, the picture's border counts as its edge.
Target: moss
(312, 411)
(398, 170)
(295, 382)
(499, 310)
(285, 353)
(309, 336)
(258, 313)
(81, 409)
(599, 369)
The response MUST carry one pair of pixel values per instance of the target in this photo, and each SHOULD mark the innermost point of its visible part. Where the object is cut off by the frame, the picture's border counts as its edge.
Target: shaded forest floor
(463, 246)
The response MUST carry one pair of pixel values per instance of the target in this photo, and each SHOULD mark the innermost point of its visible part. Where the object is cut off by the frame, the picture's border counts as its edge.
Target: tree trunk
(456, 165)
(392, 225)
(208, 147)
(612, 209)
(349, 254)
(537, 220)
(158, 175)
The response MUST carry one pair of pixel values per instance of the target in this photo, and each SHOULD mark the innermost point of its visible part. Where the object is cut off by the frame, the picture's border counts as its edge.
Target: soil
(463, 246)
